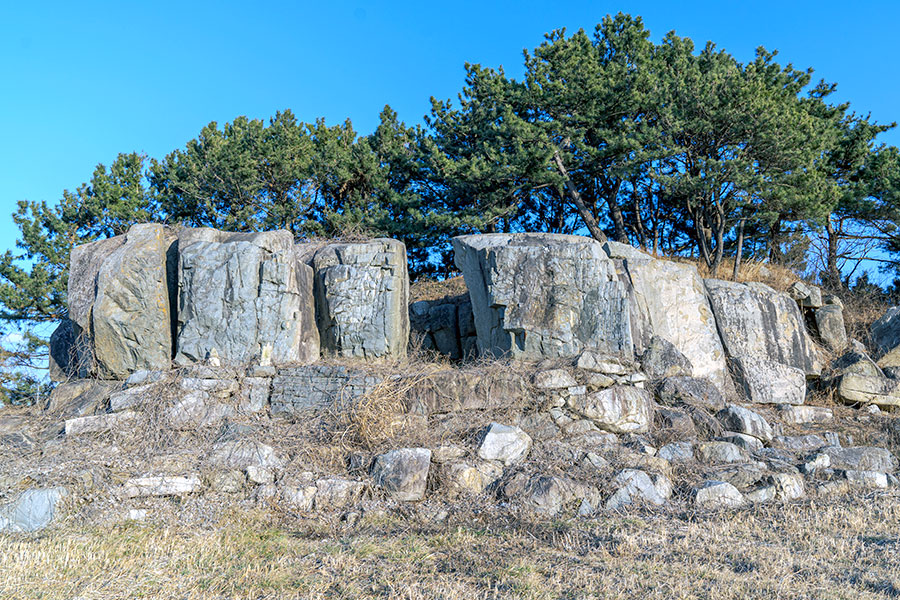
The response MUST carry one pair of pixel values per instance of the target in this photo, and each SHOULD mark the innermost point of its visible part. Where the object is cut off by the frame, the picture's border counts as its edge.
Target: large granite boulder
(244, 298)
(362, 299)
(762, 328)
(669, 301)
(119, 305)
(544, 295)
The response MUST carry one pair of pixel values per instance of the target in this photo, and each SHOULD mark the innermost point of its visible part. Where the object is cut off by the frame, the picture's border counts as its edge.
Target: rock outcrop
(362, 299)
(244, 298)
(543, 295)
(119, 305)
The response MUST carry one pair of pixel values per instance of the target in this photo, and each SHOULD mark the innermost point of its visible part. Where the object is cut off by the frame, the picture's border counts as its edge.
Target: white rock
(161, 486)
(718, 494)
(100, 423)
(800, 415)
(505, 443)
(872, 479)
(554, 379)
(739, 419)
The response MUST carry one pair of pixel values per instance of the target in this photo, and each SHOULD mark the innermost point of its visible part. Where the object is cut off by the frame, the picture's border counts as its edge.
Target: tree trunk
(832, 273)
(740, 251)
(583, 211)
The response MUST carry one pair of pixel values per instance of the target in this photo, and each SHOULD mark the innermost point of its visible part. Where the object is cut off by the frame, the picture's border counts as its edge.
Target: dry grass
(817, 549)
(432, 289)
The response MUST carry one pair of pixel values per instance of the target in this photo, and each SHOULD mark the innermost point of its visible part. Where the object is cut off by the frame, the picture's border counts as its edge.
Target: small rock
(598, 381)
(553, 379)
(720, 452)
(599, 363)
(788, 486)
(798, 443)
(228, 482)
(139, 487)
(677, 452)
(260, 475)
(636, 485)
(801, 415)
(861, 458)
(595, 461)
(741, 476)
(742, 440)
(300, 497)
(763, 494)
(240, 454)
(619, 409)
(447, 453)
(403, 473)
(662, 359)
(505, 443)
(100, 423)
(871, 479)
(714, 494)
(818, 463)
(690, 391)
(334, 493)
(675, 423)
(463, 477)
(31, 510)
(739, 419)
(194, 409)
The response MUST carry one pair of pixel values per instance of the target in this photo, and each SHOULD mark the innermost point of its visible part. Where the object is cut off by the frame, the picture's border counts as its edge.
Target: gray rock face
(739, 419)
(362, 299)
(63, 355)
(690, 391)
(861, 458)
(769, 382)
(446, 326)
(799, 415)
(756, 320)
(662, 359)
(720, 452)
(298, 389)
(119, 305)
(636, 485)
(619, 409)
(505, 443)
(543, 295)
(403, 473)
(244, 297)
(830, 324)
(865, 389)
(549, 495)
(32, 510)
(671, 302)
(886, 330)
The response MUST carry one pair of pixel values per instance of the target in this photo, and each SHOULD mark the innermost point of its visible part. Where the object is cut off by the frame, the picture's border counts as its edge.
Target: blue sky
(83, 81)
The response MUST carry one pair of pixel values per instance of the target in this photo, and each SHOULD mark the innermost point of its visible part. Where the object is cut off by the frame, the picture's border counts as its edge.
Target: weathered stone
(334, 493)
(80, 397)
(675, 423)
(596, 362)
(870, 479)
(762, 494)
(806, 295)
(403, 473)
(677, 452)
(543, 295)
(218, 388)
(788, 486)
(739, 419)
(690, 391)
(260, 475)
(300, 497)
(816, 463)
(451, 390)
(742, 476)
(635, 485)
(831, 328)
(197, 409)
(140, 487)
(255, 393)
(549, 495)
(133, 397)
(742, 440)
(670, 299)
(861, 458)
(662, 359)
(244, 297)
(720, 452)
(864, 389)
(886, 331)
(447, 453)
(799, 443)
(716, 494)
(228, 482)
(800, 415)
(504, 443)
(553, 379)
(100, 423)
(445, 325)
(144, 377)
(466, 478)
(769, 382)
(63, 353)
(619, 409)
(362, 299)
(31, 510)
(855, 361)
(755, 320)
(240, 454)
(296, 390)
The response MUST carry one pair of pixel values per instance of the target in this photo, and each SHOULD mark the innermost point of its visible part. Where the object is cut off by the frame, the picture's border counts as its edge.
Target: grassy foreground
(847, 548)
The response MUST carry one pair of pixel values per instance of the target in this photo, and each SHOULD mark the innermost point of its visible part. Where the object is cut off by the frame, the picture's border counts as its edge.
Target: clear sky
(82, 81)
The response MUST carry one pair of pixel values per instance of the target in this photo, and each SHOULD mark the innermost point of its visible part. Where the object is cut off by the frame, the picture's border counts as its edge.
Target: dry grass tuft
(433, 289)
